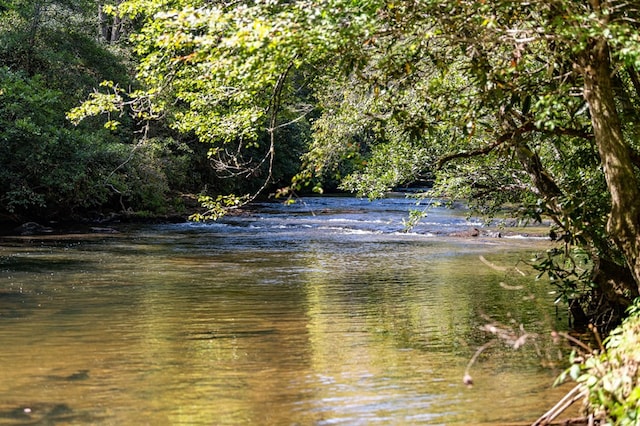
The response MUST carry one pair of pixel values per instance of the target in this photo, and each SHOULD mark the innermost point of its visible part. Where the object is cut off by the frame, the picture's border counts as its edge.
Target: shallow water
(320, 313)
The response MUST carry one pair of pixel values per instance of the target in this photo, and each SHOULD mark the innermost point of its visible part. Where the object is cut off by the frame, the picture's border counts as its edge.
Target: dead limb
(577, 393)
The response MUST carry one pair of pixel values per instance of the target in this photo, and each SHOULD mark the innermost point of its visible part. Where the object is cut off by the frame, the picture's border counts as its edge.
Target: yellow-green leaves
(97, 104)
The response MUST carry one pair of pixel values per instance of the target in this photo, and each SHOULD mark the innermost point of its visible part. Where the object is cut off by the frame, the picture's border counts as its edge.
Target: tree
(112, 28)
(50, 59)
(500, 101)
(522, 118)
(188, 52)
(46, 167)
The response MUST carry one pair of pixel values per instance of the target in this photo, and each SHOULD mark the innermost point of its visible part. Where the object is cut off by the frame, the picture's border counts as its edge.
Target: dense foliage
(53, 53)
(43, 161)
(610, 376)
(504, 102)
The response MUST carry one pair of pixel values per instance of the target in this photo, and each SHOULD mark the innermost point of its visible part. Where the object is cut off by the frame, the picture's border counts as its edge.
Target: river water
(320, 313)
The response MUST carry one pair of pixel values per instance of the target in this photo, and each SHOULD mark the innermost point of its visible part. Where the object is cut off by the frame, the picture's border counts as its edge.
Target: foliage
(48, 169)
(516, 130)
(50, 58)
(612, 378)
(144, 179)
(55, 39)
(43, 164)
(235, 77)
(495, 102)
(569, 270)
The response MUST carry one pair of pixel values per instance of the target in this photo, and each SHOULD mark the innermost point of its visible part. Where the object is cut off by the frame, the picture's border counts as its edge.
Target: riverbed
(322, 313)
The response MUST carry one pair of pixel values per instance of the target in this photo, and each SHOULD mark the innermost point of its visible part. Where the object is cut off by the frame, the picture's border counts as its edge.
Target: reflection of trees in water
(411, 318)
(229, 338)
(180, 333)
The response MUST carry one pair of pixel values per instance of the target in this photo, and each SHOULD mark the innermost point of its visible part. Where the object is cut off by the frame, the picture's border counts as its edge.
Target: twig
(492, 265)
(573, 340)
(467, 379)
(575, 394)
(596, 333)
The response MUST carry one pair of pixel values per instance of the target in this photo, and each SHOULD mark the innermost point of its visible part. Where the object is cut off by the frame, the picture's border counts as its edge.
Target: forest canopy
(533, 104)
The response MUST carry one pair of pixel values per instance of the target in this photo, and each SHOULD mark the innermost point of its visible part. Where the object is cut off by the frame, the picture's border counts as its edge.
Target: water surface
(322, 313)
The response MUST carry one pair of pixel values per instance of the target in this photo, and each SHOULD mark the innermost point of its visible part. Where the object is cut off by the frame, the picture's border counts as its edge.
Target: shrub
(612, 378)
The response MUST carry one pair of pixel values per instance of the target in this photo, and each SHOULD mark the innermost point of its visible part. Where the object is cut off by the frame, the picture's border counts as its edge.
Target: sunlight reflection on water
(276, 317)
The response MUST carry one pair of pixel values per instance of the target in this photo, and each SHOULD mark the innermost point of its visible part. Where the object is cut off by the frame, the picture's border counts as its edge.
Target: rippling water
(321, 313)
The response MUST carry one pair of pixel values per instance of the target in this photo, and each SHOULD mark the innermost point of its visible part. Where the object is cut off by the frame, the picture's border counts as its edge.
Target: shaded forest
(53, 55)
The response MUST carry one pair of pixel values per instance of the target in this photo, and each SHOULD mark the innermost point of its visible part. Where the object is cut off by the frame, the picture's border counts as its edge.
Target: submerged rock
(41, 413)
(104, 230)
(32, 228)
(474, 232)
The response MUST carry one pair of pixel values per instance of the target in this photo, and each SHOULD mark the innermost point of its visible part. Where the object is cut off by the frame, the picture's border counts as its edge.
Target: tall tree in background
(57, 39)
(112, 27)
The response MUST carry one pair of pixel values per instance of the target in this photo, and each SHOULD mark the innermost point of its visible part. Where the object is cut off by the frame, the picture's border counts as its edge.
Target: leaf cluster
(612, 378)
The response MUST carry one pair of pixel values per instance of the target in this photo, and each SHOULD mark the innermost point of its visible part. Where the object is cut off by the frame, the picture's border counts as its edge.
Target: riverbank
(113, 222)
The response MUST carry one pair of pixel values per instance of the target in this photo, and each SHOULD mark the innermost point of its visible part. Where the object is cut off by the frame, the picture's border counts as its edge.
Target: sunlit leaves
(220, 64)
(98, 103)
(218, 206)
(610, 377)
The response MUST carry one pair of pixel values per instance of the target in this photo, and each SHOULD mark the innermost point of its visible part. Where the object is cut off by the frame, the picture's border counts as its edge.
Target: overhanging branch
(510, 136)
(504, 138)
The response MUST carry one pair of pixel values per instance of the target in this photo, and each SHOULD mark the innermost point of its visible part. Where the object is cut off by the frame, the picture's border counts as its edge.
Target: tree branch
(633, 75)
(506, 137)
(274, 107)
(510, 136)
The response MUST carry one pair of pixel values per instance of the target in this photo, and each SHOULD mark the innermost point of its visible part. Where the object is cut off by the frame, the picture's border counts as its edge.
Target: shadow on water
(211, 335)
(48, 413)
(16, 304)
(22, 263)
(43, 414)
(73, 377)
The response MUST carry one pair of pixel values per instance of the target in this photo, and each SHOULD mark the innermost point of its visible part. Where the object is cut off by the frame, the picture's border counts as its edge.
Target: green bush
(612, 379)
(44, 164)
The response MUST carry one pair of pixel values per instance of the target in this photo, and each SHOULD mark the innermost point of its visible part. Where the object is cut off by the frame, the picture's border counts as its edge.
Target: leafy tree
(188, 56)
(50, 58)
(539, 114)
(534, 102)
(57, 40)
(46, 168)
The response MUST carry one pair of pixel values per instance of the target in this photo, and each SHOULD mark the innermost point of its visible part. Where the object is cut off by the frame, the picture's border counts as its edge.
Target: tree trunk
(116, 29)
(103, 26)
(544, 184)
(624, 218)
(110, 28)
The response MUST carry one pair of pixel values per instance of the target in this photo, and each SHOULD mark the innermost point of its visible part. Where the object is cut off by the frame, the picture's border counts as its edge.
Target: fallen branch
(467, 379)
(577, 393)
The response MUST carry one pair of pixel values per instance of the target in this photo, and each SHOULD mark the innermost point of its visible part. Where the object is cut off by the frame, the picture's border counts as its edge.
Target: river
(320, 313)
